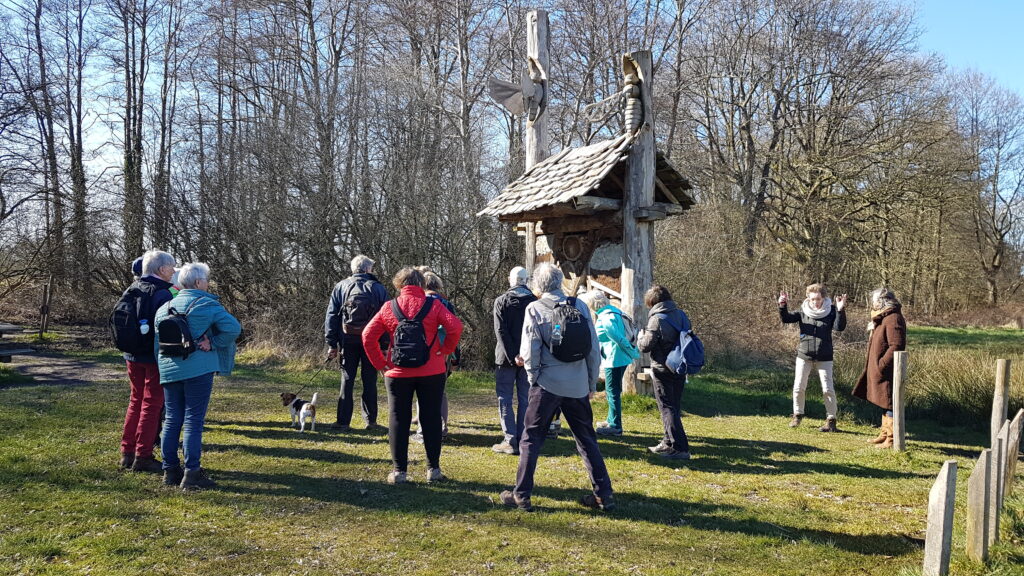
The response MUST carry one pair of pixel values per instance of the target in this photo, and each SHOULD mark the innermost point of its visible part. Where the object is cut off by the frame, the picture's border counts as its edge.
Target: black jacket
(161, 295)
(509, 311)
(815, 335)
(661, 337)
(332, 322)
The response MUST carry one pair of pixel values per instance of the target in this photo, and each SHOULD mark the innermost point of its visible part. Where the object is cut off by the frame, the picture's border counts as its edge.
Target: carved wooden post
(1000, 398)
(537, 47)
(638, 235)
(899, 381)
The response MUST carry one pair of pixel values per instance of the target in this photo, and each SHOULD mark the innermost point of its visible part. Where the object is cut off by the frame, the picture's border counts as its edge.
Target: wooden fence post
(978, 508)
(899, 379)
(939, 537)
(1000, 398)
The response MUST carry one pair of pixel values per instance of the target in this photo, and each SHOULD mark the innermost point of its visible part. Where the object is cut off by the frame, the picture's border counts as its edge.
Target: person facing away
(617, 353)
(188, 381)
(153, 273)
(664, 323)
(510, 383)
(415, 363)
(434, 288)
(559, 351)
(887, 334)
(352, 304)
(817, 318)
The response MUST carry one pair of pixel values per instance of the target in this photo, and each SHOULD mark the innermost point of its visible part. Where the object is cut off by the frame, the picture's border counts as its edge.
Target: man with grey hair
(560, 352)
(510, 378)
(132, 324)
(354, 301)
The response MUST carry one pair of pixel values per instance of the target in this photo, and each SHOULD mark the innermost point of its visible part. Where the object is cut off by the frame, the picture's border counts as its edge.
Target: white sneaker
(397, 477)
(434, 475)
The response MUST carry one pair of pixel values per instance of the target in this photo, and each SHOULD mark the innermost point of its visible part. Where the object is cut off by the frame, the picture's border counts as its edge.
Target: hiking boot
(505, 447)
(509, 499)
(397, 477)
(882, 431)
(127, 459)
(339, 427)
(797, 418)
(143, 464)
(374, 427)
(673, 454)
(554, 430)
(608, 431)
(828, 426)
(196, 480)
(173, 476)
(435, 475)
(606, 504)
(660, 448)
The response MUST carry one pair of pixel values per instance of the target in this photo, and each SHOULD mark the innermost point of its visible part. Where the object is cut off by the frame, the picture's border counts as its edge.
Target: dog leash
(315, 374)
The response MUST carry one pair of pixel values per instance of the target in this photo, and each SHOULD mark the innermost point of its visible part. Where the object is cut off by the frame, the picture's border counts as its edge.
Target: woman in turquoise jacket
(188, 382)
(617, 352)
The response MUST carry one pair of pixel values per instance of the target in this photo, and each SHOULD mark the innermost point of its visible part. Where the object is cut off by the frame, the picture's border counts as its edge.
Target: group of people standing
(551, 349)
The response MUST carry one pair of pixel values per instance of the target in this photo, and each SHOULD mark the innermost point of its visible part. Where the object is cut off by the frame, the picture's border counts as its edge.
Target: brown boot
(829, 425)
(881, 432)
(887, 430)
(797, 418)
(127, 459)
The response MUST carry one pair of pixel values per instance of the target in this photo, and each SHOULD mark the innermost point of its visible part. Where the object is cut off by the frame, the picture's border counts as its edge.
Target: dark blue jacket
(815, 334)
(161, 295)
(332, 322)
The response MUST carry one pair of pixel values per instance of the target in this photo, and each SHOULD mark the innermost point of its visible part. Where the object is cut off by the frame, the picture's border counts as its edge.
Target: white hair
(154, 260)
(362, 264)
(547, 278)
(518, 277)
(595, 300)
(192, 273)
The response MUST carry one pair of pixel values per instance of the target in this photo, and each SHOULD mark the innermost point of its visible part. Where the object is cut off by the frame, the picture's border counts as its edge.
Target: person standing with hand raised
(817, 318)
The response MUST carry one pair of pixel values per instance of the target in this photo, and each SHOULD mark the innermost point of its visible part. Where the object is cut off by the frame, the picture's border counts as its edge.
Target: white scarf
(809, 311)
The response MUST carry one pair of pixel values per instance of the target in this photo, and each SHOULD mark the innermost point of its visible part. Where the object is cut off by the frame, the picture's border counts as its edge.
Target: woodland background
(275, 140)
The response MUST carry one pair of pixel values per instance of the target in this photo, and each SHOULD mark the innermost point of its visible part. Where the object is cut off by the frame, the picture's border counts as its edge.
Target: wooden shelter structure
(590, 209)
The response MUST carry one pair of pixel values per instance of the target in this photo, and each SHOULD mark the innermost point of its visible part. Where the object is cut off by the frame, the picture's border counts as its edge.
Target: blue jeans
(186, 402)
(509, 380)
(613, 392)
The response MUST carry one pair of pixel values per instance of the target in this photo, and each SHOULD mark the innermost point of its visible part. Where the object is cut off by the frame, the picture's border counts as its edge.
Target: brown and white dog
(300, 410)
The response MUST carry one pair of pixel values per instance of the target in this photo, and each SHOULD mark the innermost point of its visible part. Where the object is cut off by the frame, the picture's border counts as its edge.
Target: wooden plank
(598, 204)
(664, 190)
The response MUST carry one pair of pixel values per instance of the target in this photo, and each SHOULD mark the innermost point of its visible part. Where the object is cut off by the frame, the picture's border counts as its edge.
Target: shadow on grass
(299, 453)
(282, 431)
(456, 497)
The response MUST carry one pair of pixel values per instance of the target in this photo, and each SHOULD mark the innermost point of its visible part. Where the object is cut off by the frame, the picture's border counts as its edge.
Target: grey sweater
(568, 379)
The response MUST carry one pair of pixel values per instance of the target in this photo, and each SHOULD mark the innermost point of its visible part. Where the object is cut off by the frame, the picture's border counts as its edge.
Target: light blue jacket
(208, 317)
(616, 349)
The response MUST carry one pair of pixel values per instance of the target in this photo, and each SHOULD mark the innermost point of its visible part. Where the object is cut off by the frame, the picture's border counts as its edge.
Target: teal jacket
(208, 317)
(616, 349)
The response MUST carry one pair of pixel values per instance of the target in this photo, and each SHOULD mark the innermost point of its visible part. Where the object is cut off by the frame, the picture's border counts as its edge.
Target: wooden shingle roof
(573, 173)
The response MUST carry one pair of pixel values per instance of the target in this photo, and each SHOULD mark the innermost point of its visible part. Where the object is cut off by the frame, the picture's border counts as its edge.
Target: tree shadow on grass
(456, 497)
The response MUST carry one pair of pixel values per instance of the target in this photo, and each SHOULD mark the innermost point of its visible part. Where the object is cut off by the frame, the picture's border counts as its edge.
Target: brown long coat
(888, 337)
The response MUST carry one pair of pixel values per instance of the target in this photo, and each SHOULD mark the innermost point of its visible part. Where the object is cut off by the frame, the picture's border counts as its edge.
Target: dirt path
(48, 367)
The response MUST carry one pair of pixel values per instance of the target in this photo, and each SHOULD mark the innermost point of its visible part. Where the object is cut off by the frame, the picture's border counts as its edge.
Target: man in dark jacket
(509, 310)
(354, 301)
(142, 419)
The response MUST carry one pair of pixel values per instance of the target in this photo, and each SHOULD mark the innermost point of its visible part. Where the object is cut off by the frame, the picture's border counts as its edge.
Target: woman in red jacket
(414, 362)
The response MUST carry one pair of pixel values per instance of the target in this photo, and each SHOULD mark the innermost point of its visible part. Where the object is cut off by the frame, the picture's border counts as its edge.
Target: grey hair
(884, 297)
(547, 278)
(192, 273)
(362, 264)
(154, 260)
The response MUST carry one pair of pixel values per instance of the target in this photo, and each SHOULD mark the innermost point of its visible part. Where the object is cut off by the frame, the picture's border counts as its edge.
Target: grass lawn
(758, 497)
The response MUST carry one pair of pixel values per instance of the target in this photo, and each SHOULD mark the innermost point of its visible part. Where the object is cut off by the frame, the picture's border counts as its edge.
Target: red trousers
(142, 419)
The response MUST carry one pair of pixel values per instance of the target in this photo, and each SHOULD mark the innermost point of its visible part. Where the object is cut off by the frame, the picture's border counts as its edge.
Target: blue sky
(987, 35)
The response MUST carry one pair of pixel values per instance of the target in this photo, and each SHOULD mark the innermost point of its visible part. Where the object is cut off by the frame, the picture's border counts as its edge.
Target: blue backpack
(688, 355)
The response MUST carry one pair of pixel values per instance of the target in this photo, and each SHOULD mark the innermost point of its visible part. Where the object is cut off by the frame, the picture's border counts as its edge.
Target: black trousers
(354, 356)
(428, 391)
(668, 391)
(580, 418)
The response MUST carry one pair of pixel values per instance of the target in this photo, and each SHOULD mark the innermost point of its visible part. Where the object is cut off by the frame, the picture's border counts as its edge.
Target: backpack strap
(664, 317)
(397, 310)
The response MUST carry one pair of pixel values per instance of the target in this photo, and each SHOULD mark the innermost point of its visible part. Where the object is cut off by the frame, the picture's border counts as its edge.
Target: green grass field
(758, 497)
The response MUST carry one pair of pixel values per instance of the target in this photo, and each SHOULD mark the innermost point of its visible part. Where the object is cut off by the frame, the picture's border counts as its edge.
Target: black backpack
(176, 339)
(358, 308)
(570, 334)
(135, 305)
(409, 348)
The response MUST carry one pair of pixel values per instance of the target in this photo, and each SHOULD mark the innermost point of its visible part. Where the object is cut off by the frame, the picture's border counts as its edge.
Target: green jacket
(208, 317)
(616, 349)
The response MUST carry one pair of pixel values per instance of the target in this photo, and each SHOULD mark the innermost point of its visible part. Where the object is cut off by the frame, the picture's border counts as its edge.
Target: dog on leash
(300, 410)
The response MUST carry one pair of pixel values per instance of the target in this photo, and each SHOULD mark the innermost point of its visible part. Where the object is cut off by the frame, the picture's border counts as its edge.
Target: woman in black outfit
(664, 323)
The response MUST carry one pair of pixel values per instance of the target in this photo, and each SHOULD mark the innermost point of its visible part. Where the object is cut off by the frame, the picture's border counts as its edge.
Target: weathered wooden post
(941, 501)
(1013, 451)
(1001, 396)
(638, 230)
(1003, 439)
(899, 379)
(978, 508)
(537, 49)
(994, 485)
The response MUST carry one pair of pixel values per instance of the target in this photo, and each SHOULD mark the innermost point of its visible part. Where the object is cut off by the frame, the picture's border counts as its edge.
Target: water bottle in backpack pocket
(128, 321)
(570, 334)
(687, 357)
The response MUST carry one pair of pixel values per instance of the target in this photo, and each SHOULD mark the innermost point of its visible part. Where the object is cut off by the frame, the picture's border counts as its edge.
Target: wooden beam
(598, 204)
(670, 209)
(571, 224)
(649, 214)
(664, 190)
